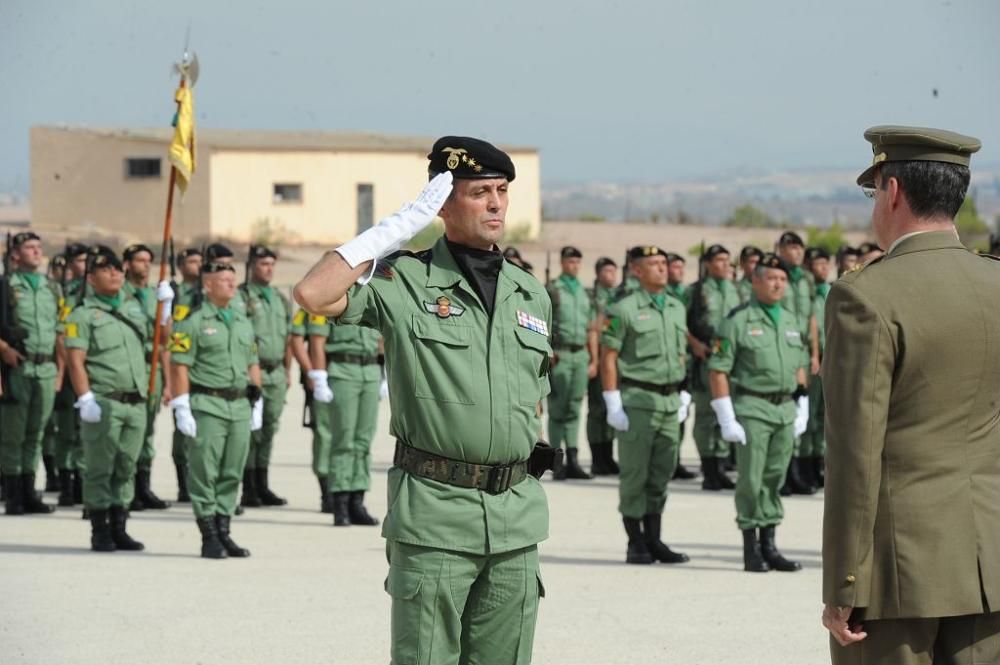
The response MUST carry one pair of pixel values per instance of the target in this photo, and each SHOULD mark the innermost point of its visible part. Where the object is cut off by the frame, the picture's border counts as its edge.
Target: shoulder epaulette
(738, 308)
(990, 256)
(518, 265)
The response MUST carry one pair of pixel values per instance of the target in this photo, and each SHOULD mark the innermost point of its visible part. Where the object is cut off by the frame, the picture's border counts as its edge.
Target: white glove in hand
(802, 416)
(257, 415)
(617, 417)
(321, 389)
(392, 232)
(383, 389)
(165, 294)
(90, 410)
(182, 414)
(732, 431)
(682, 413)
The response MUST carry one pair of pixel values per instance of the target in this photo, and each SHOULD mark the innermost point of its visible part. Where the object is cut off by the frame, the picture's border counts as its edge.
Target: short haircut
(933, 189)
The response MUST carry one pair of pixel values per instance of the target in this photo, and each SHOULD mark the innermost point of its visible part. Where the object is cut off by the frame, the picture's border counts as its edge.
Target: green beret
(894, 143)
(470, 159)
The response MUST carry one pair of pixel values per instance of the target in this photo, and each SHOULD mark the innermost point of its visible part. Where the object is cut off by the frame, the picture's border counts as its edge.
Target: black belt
(572, 348)
(125, 398)
(667, 389)
(39, 358)
(231, 394)
(270, 367)
(492, 479)
(773, 398)
(352, 358)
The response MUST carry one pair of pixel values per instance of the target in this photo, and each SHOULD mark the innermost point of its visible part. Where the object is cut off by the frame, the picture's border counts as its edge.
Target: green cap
(895, 143)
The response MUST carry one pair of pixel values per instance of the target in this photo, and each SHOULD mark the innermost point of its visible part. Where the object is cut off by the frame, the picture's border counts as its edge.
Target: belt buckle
(498, 480)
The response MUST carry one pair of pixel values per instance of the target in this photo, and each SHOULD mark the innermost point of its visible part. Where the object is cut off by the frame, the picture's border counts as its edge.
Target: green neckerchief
(266, 292)
(795, 273)
(139, 292)
(32, 278)
(822, 289)
(572, 283)
(773, 312)
(111, 301)
(659, 300)
(226, 314)
(719, 282)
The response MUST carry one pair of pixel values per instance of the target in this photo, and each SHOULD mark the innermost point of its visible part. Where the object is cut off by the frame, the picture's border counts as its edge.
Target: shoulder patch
(317, 320)
(181, 312)
(180, 342)
(300, 317)
(72, 331)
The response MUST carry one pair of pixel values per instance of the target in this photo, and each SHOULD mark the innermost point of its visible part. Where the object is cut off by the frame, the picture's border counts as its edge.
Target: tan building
(304, 187)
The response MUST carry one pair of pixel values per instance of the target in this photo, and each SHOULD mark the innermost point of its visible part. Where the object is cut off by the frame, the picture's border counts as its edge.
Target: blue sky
(646, 90)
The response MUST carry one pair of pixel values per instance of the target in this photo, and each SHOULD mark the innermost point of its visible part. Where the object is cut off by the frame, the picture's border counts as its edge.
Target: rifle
(696, 319)
(7, 332)
(197, 295)
(307, 407)
(548, 267)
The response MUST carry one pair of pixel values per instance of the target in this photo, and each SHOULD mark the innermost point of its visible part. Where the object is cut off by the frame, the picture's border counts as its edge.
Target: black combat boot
(51, 474)
(615, 470)
(720, 469)
(796, 483)
(600, 451)
(267, 497)
(232, 549)
(357, 511)
(681, 472)
(573, 469)
(657, 548)
(638, 551)
(65, 487)
(33, 504)
(819, 470)
(710, 475)
(123, 541)
(14, 504)
(144, 491)
(100, 531)
(250, 499)
(341, 509)
(769, 550)
(3, 489)
(559, 470)
(211, 548)
(753, 560)
(325, 498)
(182, 483)
(77, 487)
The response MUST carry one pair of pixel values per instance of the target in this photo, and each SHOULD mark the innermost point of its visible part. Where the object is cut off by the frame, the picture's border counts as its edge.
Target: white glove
(682, 413)
(802, 416)
(165, 294)
(617, 417)
(182, 413)
(383, 389)
(90, 410)
(392, 232)
(732, 431)
(321, 389)
(257, 415)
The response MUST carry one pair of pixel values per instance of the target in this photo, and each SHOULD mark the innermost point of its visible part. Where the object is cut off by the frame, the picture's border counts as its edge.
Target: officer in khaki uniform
(574, 343)
(105, 342)
(467, 353)
(643, 364)
(186, 291)
(601, 435)
(216, 375)
(28, 349)
(758, 380)
(911, 374)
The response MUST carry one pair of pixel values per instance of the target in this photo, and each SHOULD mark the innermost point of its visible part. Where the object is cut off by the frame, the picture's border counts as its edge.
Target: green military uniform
(68, 448)
(465, 385)
(744, 289)
(145, 296)
(599, 432)
(798, 300)
(31, 385)
(761, 349)
(572, 316)
(184, 299)
(812, 444)
(680, 292)
(217, 346)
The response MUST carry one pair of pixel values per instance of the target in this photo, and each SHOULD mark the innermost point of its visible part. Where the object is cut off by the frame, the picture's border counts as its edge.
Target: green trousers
(963, 640)
(111, 449)
(568, 380)
(178, 447)
(706, 432)
(262, 441)
(647, 455)
(453, 608)
(762, 463)
(148, 451)
(49, 436)
(351, 420)
(68, 447)
(813, 442)
(23, 422)
(598, 429)
(216, 459)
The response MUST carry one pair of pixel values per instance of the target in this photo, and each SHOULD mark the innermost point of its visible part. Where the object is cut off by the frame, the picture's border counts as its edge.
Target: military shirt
(819, 311)
(572, 312)
(679, 291)
(36, 313)
(651, 346)
(352, 340)
(601, 297)
(217, 355)
(116, 356)
(270, 314)
(744, 287)
(761, 357)
(464, 385)
(298, 324)
(798, 298)
(709, 303)
(145, 296)
(184, 296)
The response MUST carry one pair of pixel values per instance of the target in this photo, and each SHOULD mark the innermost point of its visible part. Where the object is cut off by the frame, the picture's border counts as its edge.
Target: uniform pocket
(104, 335)
(648, 340)
(762, 350)
(533, 351)
(443, 361)
(403, 585)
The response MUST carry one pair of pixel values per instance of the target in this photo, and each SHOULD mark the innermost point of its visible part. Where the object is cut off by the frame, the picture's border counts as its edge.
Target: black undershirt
(482, 269)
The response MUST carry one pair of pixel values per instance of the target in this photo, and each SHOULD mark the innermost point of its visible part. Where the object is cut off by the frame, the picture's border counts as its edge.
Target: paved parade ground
(313, 594)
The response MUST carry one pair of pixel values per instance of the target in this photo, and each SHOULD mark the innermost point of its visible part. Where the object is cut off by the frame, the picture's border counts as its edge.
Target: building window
(142, 167)
(287, 192)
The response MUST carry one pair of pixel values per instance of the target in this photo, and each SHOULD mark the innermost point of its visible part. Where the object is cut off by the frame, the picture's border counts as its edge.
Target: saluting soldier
(600, 434)
(28, 349)
(106, 347)
(216, 376)
(758, 382)
(711, 299)
(911, 529)
(812, 444)
(136, 260)
(467, 352)
(574, 344)
(270, 313)
(750, 256)
(186, 292)
(643, 365)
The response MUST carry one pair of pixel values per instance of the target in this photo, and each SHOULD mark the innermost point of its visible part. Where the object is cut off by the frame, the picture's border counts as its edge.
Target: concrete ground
(313, 594)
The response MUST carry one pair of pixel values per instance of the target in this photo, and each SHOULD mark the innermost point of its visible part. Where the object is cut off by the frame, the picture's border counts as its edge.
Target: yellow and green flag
(182, 146)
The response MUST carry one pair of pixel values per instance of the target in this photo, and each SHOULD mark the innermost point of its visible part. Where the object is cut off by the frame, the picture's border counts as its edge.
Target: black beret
(604, 262)
(261, 252)
(23, 237)
(512, 253)
(791, 238)
(132, 250)
(867, 247)
(469, 158)
(671, 257)
(642, 251)
(569, 252)
(216, 267)
(750, 250)
(813, 253)
(187, 253)
(713, 251)
(102, 256)
(75, 249)
(773, 261)
(217, 251)
(58, 261)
